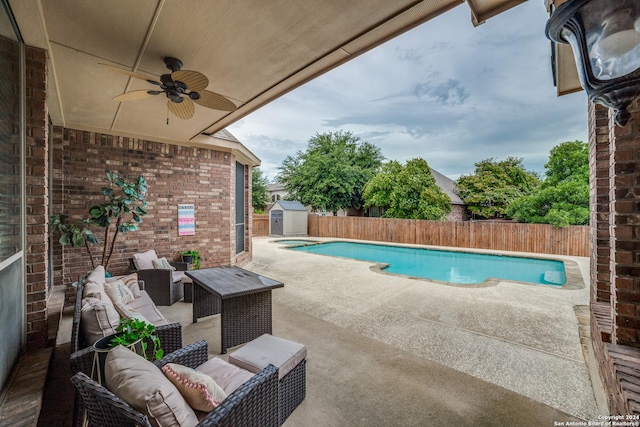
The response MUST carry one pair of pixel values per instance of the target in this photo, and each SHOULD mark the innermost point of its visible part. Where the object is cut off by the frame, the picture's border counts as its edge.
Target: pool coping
(574, 279)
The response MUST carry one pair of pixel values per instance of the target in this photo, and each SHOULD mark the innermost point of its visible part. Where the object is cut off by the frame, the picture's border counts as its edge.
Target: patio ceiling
(252, 52)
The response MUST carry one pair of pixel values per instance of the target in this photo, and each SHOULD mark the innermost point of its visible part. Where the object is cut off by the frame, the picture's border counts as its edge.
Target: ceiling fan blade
(151, 79)
(194, 80)
(134, 95)
(216, 101)
(183, 110)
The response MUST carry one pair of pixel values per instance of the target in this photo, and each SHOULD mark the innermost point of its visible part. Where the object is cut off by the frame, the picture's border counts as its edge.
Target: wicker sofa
(170, 334)
(254, 403)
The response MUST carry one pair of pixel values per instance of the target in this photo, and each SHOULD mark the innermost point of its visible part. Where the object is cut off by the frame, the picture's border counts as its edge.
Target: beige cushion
(98, 319)
(131, 282)
(97, 275)
(91, 287)
(226, 375)
(127, 312)
(145, 306)
(180, 276)
(269, 350)
(142, 385)
(199, 390)
(94, 295)
(162, 264)
(144, 260)
(118, 292)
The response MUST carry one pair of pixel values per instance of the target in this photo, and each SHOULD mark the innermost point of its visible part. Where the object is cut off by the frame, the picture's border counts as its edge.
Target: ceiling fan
(182, 87)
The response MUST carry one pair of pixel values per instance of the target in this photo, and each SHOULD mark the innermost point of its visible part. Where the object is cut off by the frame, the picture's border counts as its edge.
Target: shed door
(276, 223)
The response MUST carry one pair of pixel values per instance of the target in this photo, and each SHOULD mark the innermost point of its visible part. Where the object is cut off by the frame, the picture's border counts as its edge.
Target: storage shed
(288, 219)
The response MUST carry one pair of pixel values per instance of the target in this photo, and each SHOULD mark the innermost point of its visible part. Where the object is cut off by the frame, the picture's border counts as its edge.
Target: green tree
(259, 192)
(408, 191)
(568, 161)
(494, 185)
(120, 213)
(563, 198)
(332, 172)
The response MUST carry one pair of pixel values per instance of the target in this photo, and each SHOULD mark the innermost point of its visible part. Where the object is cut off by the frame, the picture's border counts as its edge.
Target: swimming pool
(294, 241)
(446, 266)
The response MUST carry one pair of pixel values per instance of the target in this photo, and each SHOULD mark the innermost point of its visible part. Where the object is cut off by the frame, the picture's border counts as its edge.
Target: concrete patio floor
(523, 338)
(393, 351)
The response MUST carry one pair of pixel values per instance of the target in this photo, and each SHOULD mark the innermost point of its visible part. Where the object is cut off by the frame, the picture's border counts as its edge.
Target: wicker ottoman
(290, 359)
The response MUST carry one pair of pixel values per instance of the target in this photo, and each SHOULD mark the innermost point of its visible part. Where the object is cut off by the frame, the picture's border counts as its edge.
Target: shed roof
(290, 205)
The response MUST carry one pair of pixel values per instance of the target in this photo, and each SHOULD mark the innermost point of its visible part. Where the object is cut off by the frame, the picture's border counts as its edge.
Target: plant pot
(100, 350)
(187, 258)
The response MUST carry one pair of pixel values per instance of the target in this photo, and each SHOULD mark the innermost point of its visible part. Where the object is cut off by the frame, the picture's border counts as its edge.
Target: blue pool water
(447, 266)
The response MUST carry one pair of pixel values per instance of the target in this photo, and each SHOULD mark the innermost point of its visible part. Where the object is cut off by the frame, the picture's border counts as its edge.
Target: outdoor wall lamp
(605, 38)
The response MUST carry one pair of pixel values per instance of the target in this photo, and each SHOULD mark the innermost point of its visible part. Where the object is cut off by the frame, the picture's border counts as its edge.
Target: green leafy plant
(132, 330)
(120, 213)
(195, 258)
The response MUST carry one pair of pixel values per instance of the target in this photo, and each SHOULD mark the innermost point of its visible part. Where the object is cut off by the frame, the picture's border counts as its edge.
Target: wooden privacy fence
(506, 236)
(260, 225)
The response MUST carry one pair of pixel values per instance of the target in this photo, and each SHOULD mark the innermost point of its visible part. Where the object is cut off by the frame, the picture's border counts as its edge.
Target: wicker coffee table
(242, 298)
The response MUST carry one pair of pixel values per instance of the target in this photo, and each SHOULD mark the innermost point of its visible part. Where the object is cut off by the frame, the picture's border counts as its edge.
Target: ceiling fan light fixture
(174, 64)
(174, 85)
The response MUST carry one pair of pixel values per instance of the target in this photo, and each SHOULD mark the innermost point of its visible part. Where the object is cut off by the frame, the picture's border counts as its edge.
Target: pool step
(555, 277)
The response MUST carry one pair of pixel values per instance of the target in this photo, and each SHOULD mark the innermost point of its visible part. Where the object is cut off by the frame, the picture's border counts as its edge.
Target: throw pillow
(118, 292)
(142, 385)
(143, 261)
(91, 287)
(131, 282)
(94, 295)
(199, 390)
(99, 319)
(129, 313)
(162, 264)
(97, 275)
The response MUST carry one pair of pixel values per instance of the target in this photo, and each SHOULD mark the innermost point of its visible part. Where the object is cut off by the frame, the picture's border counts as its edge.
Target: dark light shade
(605, 38)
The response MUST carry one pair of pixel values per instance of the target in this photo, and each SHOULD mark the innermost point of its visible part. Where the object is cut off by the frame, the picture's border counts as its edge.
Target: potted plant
(192, 258)
(120, 213)
(132, 333)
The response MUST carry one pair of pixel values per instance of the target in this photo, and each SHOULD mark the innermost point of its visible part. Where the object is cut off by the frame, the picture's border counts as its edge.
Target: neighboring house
(458, 207)
(448, 186)
(276, 192)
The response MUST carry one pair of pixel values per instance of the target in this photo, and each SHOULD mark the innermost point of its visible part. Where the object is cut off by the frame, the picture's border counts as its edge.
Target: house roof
(290, 205)
(252, 53)
(447, 185)
(276, 187)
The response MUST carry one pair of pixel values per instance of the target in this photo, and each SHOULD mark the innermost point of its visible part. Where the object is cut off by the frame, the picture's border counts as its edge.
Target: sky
(446, 91)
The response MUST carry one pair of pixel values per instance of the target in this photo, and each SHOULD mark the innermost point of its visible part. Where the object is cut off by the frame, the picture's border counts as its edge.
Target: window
(240, 209)
(12, 306)
(10, 141)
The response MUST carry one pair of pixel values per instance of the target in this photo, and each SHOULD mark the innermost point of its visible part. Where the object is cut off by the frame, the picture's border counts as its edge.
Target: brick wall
(625, 229)
(458, 213)
(599, 164)
(615, 263)
(37, 197)
(175, 175)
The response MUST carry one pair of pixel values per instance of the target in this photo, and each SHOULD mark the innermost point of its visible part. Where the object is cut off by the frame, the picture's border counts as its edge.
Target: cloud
(444, 91)
(449, 93)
